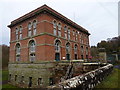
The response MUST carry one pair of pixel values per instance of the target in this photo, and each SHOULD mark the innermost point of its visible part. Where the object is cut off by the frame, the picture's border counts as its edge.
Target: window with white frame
(20, 32)
(68, 48)
(57, 46)
(34, 27)
(18, 52)
(69, 33)
(17, 33)
(65, 31)
(32, 50)
(59, 29)
(75, 48)
(29, 29)
(55, 27)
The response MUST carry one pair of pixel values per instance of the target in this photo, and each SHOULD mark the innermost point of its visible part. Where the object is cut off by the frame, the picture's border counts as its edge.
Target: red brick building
(38, 40)
(45, 35)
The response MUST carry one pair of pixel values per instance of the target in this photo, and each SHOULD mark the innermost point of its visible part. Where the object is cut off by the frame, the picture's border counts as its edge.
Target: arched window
(57, 46)
(68, 51)
(65, 31)
(18, 52)
(34, 27)
(29, 29)
(82, 49)
(75, 51)
(59, 29)
(32, 50)
(68, 48)
(20, 32)
(57, 50)
(76, 35)
(68, 33)
(55, 27)
(17, 33)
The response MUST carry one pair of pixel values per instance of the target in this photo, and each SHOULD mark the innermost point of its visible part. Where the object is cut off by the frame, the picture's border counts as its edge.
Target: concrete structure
(38, 40)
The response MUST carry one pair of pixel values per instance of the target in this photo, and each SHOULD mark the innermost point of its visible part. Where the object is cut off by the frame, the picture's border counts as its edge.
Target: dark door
(68, 56)
(75, 56)
(57, 56)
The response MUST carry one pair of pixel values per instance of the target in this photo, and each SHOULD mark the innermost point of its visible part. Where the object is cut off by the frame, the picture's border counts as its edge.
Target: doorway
(57, 56)
(68, 56)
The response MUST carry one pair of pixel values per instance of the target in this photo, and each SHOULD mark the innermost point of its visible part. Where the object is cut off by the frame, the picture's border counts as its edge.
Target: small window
(30, 82)
(15, 77)
(39, 81)
(22, 79)
(51, 81)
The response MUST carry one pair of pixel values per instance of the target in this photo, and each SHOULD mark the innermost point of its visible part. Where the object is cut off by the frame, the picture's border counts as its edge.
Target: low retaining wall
(86, 81)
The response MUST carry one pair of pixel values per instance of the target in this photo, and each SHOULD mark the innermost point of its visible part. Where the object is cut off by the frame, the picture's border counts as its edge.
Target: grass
(5, 78)
(110, 82)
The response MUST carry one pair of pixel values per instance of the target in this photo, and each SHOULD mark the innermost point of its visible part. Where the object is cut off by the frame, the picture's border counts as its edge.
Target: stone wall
(48, 73)
(86, 81)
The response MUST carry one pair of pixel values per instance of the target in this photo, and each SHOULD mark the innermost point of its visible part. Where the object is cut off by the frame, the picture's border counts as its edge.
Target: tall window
(82, 50)
(18, 52)
(65, 32)
(75, 49)
(57, 50)
(29, 29)
(69, 33)
(55, 27)
(32, 50)
(73, 34)
(59, 29)
(68, 48)
(75, 52)
(34, 27)
(17, 33)
(76, 35)
(57, 46)
(68, 51)
(20, 32)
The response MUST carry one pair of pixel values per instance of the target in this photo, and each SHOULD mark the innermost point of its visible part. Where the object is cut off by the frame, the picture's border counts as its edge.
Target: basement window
(30, 82)
(51, 81)
(39, 81)
(15, 77)
(22, 79)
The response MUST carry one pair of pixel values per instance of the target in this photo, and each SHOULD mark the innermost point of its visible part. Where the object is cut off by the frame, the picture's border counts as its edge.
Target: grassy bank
(111, 82)
(5, 79)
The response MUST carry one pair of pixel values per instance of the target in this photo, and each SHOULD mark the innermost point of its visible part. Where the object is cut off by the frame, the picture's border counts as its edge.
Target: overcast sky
(99, 17)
